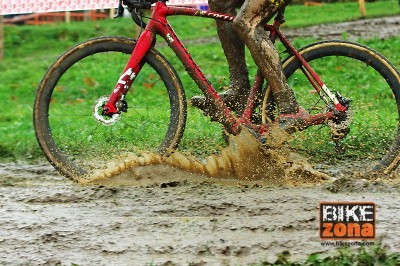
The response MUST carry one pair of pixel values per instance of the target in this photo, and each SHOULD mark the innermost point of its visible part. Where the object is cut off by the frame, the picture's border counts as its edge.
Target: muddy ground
(179, 218)
(48, 220)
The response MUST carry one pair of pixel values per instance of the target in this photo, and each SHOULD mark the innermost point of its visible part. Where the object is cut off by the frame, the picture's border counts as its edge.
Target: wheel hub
(98, 113)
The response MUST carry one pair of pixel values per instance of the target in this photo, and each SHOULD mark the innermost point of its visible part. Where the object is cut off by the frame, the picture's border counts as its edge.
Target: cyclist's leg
(233, 46)
(249, 25)
(234, 50)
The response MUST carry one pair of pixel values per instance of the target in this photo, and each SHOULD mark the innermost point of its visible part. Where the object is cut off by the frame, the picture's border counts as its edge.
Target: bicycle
(81, 126)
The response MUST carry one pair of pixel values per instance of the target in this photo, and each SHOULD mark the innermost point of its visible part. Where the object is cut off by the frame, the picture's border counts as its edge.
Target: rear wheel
(68, 123)
(372, 85)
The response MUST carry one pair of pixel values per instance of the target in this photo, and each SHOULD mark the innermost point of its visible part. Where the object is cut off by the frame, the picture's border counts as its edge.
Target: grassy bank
(29, 50)
(375, 255)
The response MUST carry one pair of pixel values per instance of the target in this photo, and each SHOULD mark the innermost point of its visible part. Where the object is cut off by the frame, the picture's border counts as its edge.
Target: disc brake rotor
(98, 113)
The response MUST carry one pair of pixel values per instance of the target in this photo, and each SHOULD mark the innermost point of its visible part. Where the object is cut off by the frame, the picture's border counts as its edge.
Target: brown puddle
(245, 160)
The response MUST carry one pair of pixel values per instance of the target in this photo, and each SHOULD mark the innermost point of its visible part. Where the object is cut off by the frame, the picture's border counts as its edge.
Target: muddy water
(47, 220)
(381, 28)
(181, 211)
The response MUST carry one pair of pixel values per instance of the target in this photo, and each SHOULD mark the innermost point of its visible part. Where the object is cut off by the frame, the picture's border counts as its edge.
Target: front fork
(115, 103)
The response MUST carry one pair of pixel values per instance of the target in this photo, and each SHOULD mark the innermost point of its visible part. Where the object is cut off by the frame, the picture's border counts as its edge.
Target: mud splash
(244, 160)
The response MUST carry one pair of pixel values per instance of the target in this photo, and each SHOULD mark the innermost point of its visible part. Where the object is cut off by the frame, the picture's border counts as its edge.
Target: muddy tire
(66, 111)
(371, 83)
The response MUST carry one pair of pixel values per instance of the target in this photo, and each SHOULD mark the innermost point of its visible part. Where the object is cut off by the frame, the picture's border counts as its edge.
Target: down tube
(227, 118)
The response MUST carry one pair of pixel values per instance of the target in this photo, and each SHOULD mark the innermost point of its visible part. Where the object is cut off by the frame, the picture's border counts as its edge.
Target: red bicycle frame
(159, 25)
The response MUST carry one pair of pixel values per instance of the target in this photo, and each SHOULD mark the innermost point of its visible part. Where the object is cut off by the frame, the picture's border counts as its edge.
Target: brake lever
(136, 15)
(120, 11)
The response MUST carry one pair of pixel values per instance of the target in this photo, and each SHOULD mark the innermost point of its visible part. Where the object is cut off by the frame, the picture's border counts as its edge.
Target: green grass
(300, 16)
(375, 255)
(29, 50)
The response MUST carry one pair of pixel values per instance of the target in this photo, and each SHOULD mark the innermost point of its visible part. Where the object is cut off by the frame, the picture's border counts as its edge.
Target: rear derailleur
(340, 123)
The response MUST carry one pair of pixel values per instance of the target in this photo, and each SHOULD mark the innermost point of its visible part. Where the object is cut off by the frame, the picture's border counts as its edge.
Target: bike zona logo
(347, 220)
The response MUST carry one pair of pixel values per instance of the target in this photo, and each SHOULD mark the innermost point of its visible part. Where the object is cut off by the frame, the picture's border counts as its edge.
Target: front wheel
(372, 85)
(70, 128)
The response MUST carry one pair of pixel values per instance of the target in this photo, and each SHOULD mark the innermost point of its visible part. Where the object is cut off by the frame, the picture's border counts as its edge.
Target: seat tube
(132, 68)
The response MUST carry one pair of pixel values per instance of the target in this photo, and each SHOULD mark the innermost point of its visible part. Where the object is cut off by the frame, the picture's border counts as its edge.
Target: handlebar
(139, 4)
(135, 7)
